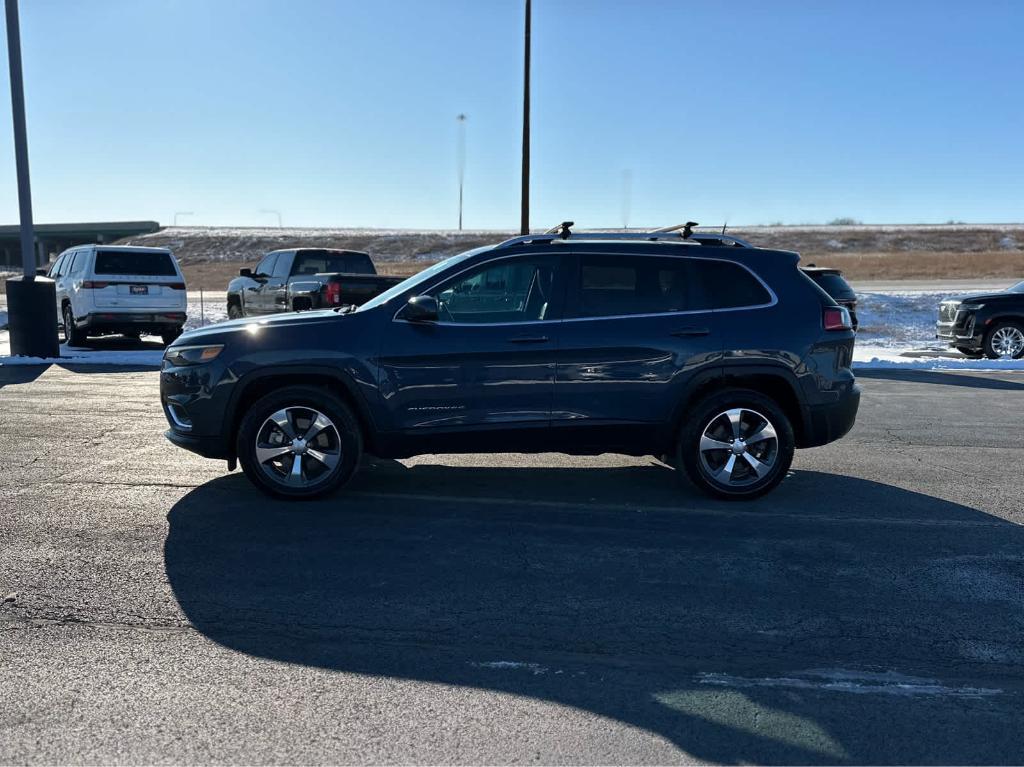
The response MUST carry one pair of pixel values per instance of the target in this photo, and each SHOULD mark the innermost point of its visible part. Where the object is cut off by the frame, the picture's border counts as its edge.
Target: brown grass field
(211, 256)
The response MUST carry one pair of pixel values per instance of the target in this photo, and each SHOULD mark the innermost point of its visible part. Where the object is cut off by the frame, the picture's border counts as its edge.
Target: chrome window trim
(752, 307)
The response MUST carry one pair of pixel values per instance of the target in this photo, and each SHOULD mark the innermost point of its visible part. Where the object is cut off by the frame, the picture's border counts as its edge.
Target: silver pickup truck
(305, 278)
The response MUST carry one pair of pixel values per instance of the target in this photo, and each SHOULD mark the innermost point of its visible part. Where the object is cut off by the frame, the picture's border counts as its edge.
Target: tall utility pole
(524, 220)
(28, 248)
(461, 160)
(31, 303)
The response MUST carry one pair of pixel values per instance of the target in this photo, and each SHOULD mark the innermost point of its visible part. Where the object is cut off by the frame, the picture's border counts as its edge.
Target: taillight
(836, 318)
(332, 293)
(93, 285)
(176, 285)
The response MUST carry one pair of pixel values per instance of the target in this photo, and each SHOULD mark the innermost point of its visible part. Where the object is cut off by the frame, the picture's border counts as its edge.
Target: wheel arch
(770, 380)
(258, 384)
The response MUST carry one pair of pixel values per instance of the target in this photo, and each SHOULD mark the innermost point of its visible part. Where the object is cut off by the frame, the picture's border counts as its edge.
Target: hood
(981, 297)
(253, 325)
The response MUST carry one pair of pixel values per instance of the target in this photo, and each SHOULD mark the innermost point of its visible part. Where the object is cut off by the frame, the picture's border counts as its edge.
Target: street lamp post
(461, 160)
(31, 302)
(273, 213)
(524, 218)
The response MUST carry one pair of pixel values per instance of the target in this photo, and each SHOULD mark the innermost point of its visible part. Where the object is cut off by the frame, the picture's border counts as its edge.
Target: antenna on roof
(562, 230)
(723, 226)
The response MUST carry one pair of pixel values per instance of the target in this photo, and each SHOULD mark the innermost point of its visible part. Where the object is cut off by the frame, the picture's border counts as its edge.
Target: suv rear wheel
(299, 442)
(736, 444)
(73, 336)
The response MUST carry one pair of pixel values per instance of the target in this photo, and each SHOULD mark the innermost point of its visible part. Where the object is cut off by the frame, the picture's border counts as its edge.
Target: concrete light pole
(31, 302)
(461, 160)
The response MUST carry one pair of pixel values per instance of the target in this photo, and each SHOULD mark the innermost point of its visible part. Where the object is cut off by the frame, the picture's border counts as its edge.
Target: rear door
(489, 360)
(635, 333)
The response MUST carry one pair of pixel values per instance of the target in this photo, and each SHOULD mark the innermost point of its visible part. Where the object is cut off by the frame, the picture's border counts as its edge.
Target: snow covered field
(897, 330)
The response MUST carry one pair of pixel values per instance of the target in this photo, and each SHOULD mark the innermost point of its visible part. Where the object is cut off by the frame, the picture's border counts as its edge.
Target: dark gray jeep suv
(719, 356)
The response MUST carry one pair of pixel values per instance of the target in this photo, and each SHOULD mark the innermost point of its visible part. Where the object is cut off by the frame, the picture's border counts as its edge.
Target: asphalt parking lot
(502, 608)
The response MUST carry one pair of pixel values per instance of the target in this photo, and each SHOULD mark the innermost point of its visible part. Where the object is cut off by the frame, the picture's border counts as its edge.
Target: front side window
(283, 264)
(55, 271)
(265, 268)
(510, 290)
(615, 286)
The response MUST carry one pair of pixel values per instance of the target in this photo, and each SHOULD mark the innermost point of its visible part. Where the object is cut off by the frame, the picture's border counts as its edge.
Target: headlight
(192, 355)
(971, 307)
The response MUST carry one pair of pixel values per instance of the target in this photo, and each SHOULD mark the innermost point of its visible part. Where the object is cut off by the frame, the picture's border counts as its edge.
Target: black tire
(974, 354)
(270, 478)
(1011, 326)
(234, 311)
(744, 483)
(170, 336)
(73, 336)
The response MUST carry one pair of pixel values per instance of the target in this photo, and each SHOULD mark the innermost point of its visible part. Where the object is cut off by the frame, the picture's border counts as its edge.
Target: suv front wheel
(299, 442)
(736, 444)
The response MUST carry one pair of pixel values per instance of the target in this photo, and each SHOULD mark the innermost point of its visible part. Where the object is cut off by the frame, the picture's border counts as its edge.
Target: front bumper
(828, 422)
(960, 334)
(208, 447)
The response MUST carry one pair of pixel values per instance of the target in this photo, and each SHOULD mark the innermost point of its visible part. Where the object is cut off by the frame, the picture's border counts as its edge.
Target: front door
(489, 359)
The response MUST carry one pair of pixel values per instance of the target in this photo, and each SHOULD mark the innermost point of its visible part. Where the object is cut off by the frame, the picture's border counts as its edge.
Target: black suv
(985, 324)
(718, 356)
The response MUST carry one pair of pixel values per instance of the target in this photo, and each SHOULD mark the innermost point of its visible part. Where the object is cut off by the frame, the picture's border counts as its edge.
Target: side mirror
(245, 271)
(41, 271)
(421, 309)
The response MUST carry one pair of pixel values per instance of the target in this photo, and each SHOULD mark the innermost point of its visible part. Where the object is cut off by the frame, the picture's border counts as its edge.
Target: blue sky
(342, 113)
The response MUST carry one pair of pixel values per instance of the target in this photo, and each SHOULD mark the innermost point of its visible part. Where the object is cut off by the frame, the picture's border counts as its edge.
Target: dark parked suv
(721, 356)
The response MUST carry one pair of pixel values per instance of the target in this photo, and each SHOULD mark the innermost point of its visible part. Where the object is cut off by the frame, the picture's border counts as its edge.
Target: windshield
(418, 278)
(1018, 288)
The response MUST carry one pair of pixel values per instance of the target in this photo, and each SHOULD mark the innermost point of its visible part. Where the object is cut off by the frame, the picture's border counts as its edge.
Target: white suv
(104, 289)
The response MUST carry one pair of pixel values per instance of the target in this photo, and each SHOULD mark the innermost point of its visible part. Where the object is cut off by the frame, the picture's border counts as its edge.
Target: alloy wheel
(738, 447)
(298, 446)
(1008, 341)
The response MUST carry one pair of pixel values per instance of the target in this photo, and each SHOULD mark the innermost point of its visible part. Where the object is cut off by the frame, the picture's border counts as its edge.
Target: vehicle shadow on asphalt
(836, 621)
(984, 381)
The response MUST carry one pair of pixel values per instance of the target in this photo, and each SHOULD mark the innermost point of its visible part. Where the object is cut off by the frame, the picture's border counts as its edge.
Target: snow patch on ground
(74, 355)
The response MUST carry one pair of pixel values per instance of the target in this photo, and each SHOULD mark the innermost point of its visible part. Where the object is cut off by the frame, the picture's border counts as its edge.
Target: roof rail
(669, 234)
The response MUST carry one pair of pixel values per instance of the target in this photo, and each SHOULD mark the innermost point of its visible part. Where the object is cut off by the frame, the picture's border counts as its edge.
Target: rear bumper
(133, 320)
(827, 423)
(208, 447)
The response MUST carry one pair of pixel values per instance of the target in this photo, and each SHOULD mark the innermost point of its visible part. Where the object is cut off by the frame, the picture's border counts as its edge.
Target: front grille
(947, 312)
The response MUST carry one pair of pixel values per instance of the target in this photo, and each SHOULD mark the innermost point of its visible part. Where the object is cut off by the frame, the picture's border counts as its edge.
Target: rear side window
(76, 263)
(727, 285)
(612, 286)
(133, 262)
(325, 262)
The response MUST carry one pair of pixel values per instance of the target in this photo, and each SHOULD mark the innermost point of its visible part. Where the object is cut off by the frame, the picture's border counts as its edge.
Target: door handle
(528, 340)
(690, 332)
